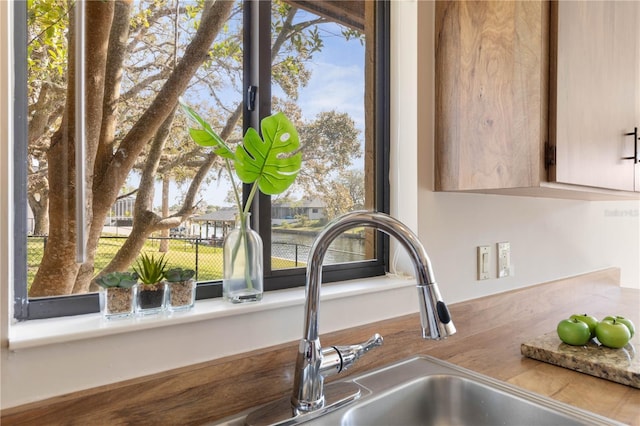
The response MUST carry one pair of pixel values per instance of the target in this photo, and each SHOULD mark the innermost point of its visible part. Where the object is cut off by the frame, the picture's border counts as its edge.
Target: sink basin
(451, 400)
(427, 391)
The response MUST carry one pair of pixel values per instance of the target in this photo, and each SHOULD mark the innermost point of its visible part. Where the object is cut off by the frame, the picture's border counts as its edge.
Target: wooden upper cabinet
(595, 100)
(521, 85)
(491, 93)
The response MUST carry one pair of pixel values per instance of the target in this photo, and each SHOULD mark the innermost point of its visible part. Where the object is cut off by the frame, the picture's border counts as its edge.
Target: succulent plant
(118, 279)
(149, 269)
(175, 275)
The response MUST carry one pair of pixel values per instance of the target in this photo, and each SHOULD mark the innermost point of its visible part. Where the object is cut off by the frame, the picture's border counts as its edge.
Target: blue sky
(337, 82)
(335, 69)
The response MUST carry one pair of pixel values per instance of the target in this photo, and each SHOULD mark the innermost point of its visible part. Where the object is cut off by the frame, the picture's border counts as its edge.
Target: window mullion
(20, 128)
(383, 120)
(257, 72)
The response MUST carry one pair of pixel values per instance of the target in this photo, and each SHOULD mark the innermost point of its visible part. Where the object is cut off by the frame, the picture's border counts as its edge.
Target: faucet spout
(436, 323)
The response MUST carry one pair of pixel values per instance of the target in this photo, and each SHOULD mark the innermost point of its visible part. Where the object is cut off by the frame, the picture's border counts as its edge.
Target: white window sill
(211, 330)
(35, 333)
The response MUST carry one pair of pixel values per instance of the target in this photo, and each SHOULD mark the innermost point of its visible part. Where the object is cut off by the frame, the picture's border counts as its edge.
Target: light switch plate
(504, 259)
(483, 262)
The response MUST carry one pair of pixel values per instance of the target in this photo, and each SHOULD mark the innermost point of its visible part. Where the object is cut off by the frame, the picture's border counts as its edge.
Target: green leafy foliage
(47, 44)
(176, 275)
(270, 164)
(118, 279)
(273, 162)
(149, 269)
(206, 136)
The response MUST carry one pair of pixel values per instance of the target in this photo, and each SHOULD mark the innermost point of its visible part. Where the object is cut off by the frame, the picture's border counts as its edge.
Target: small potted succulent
(150, 298)
(117, 294)
(182, 288)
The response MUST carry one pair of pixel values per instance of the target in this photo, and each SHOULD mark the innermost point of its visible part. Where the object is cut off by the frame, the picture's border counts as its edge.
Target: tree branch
(113, 77)
(144, 84)
(144, 199)
(133, 143)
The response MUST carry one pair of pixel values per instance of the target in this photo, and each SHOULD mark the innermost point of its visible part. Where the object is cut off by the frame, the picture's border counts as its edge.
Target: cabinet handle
(635, 146)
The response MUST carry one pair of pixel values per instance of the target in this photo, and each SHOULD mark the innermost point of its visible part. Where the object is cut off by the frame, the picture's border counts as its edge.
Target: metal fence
(201, 254)
(204, 255)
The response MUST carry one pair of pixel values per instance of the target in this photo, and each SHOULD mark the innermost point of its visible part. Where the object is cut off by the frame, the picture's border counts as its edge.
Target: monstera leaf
(272, 163)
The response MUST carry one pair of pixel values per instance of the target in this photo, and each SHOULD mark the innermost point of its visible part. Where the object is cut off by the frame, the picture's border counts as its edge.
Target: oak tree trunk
(106, 170)
(58, 270)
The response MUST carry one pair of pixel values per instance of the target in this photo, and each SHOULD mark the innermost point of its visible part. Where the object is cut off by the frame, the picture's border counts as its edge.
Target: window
(148, 187)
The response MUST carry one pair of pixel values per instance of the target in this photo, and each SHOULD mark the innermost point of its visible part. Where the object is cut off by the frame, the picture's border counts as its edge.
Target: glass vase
(242, 278)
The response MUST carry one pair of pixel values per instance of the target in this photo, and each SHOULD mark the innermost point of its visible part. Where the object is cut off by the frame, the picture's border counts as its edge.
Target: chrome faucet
(310, 398)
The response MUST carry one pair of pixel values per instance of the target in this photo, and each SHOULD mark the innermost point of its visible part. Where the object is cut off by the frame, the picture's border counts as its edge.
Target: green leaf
(206, 136)
(273, 162)
(149, 269)
(118, 279)
(176, 275)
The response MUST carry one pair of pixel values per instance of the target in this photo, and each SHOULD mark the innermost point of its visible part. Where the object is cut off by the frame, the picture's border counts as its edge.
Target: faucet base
(281, 412)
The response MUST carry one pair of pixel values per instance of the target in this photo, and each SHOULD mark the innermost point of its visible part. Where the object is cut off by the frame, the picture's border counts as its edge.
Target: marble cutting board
(618, 365)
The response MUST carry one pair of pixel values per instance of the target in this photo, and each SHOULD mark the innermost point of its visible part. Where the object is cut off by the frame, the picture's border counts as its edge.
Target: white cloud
(334, 87)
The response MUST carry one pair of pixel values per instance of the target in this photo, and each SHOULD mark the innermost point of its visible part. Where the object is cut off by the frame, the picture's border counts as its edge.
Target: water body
(294, 246)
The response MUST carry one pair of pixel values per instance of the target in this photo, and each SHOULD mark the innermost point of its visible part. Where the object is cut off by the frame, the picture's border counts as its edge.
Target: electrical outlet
(483, 262)
(504, 259)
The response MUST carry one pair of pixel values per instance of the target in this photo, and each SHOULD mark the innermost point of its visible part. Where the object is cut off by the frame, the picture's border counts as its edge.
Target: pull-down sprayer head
(434, 315)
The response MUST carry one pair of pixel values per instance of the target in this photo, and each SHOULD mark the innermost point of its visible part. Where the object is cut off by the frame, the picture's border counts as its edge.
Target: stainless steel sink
(427, 391)
(452, 400)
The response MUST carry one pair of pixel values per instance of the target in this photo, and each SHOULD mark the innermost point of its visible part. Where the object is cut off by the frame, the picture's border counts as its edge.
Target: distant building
(216, 224)
(121, 213)
(311, 209)
(31, 221)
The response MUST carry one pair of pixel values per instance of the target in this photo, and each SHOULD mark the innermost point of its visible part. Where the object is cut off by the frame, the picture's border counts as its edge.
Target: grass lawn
(182, 253)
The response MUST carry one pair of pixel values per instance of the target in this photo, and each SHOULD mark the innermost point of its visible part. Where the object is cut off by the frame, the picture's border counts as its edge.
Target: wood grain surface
(490, 331)
(595, 100)
(491, 93)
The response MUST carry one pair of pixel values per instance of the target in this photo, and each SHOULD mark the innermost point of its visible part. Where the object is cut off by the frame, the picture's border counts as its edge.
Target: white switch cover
(483, 262)
(504, 259)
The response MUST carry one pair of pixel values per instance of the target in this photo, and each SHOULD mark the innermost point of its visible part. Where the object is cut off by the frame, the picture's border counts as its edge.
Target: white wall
(550, 239)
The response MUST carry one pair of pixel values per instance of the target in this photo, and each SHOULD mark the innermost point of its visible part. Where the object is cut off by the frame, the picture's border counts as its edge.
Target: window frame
(257, 20)
(261, 52)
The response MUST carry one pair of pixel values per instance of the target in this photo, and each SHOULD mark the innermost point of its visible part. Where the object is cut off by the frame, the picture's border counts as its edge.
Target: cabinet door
(491, 93)
(597, 92)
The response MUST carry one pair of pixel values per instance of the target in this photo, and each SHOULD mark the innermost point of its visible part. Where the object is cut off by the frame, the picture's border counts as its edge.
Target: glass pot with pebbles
(117, 294)
(182, 289)
(150, 293)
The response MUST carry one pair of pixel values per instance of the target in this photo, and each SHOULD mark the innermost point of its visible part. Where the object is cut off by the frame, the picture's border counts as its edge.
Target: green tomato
(590, 320)
(573, 332)
(625, 321)
(612, 333)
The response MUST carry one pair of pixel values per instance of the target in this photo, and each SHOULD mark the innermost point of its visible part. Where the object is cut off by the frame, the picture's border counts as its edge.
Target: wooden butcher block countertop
(490, 333)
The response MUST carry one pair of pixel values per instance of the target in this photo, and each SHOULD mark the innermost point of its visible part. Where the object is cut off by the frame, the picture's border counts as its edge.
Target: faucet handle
(351, 353)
